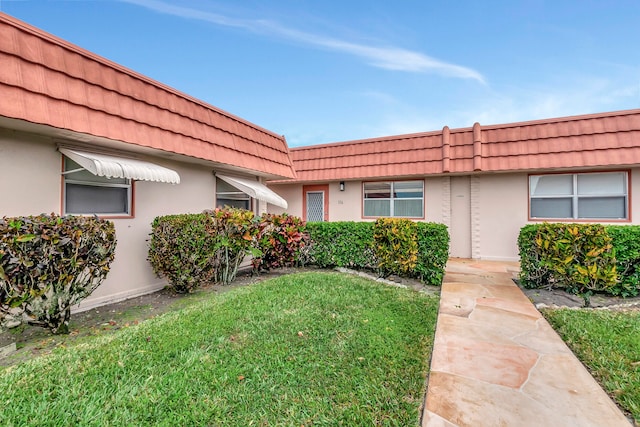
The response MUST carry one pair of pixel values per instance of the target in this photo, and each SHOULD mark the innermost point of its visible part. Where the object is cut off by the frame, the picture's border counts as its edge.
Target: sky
(328, 71)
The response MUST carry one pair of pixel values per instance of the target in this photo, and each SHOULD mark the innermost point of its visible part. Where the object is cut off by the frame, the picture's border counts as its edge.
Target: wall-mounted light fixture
(341, 185)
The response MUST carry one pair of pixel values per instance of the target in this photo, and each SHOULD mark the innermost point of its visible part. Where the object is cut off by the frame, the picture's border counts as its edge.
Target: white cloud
(387, 57)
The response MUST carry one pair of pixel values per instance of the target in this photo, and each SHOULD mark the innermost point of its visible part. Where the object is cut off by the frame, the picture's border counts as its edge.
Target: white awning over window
(118, 167)
(255, 189)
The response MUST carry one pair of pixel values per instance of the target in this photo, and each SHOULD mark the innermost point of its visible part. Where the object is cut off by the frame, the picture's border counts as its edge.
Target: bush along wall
(626, 248)
(411, 249)
(192, 249)
(180, 249)
(50, 263)
(396, 246)
(280, 240)
(433, 252)
(388, 246)
(340, 244)
(581, 258)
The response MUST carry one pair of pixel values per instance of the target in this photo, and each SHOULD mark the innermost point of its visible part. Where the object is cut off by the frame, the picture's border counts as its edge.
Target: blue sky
(327, 71)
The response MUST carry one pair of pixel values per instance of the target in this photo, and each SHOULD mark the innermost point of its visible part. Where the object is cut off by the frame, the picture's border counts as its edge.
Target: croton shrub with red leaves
(280, 240)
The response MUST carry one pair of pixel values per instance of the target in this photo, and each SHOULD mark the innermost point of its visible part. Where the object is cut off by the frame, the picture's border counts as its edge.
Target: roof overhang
(255, 189)
(119, 167)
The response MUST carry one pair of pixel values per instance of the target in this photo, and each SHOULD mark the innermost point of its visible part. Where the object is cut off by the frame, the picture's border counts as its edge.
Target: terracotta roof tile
(67, 87)
(596, 140)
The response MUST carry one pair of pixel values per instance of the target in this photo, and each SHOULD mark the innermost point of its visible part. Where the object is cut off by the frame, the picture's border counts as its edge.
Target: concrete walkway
(497, 362)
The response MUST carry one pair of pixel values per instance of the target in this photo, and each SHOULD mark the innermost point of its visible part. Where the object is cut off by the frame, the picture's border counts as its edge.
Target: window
(579, 196)
(86, 193)
(394, 199)
(228, 195)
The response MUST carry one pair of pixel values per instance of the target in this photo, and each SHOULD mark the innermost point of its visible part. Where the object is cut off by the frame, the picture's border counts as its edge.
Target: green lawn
(608, 343)
(305, 349)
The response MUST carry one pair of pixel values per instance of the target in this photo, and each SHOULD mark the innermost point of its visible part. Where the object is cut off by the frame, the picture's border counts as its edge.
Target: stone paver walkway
(497, 362)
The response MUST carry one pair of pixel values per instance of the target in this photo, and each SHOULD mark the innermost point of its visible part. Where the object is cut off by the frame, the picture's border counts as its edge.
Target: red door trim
(315, 188)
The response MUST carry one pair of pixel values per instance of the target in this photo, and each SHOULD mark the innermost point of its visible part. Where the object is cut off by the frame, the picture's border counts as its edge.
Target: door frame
(324, 188)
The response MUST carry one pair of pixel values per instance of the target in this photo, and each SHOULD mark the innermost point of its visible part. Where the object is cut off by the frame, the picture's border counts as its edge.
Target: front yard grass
(608, 343)
(313, 348)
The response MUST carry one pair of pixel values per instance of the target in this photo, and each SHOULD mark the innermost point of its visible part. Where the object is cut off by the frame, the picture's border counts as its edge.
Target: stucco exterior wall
(131, 273)
(484, 212)
(29, 175)
(345, 205)
(292, 193)
(503, 211)
(30, 183)
(436, 195)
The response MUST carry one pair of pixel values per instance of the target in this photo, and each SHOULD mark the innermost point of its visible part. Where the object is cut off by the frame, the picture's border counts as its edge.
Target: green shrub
(433, 252)
(351, 244)
(626, 247)
(50, 263)
(396, 246)
(192, 249)
(234, 232)
(533, 274)
(411, 249)
(341, 244)
(280, 240)
(578, 257)
(180, 249)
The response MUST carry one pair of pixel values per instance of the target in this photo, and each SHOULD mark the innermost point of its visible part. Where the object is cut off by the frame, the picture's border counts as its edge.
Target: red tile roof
(48, 81)
(606, 139)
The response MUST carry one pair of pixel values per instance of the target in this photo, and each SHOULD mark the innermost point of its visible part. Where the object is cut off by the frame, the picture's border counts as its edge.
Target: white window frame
(575, 197)
(392, 199)
(100, 182)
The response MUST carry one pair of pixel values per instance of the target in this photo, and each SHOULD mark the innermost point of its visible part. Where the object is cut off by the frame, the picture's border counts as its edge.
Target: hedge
(626, 249)
(421, 253)
(582, 258)
(341, 244)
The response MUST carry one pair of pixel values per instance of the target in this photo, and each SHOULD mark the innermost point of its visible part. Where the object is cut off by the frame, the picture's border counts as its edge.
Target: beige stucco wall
(484, 212)
(503, 210)
(29, 175)
(30, 184)
(292, 193)
(347, 205)
(131, 273)
(436, 192)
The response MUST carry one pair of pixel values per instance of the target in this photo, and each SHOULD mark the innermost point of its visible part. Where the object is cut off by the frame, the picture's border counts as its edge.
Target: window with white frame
(86, 193)
(394, 199)
(228, 195)
(594, 195)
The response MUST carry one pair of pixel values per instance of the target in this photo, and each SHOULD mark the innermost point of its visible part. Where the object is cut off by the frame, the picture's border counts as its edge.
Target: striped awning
(120, 167)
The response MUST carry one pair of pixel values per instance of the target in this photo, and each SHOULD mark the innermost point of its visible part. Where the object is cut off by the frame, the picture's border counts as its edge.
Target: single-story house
(82, 135)
(483, 182)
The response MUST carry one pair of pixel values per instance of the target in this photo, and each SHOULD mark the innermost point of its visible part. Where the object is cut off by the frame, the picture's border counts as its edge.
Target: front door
(316, 203)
